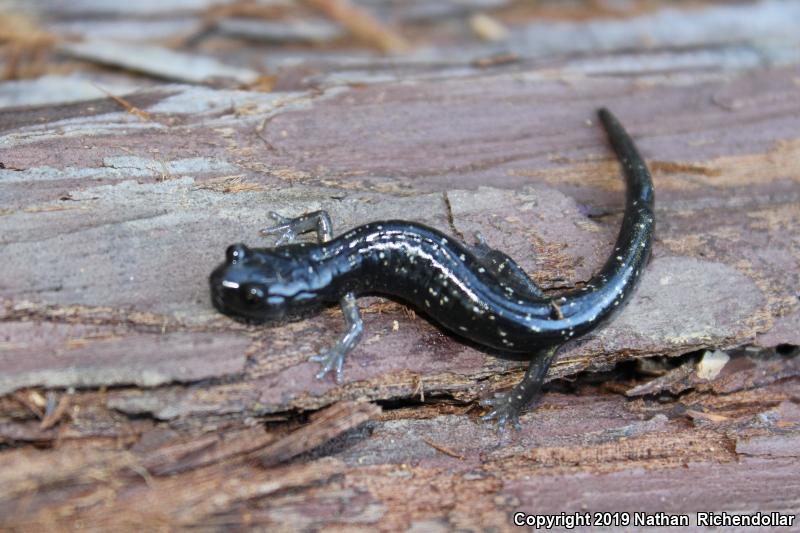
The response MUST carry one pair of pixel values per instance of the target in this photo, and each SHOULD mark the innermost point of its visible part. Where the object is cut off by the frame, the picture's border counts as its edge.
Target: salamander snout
(263, 285)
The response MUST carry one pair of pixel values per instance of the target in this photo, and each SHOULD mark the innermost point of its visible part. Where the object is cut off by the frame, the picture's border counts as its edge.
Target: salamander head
(267, 285)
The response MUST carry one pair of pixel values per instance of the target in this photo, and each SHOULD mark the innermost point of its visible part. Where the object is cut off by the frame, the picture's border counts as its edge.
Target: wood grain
(127, 401)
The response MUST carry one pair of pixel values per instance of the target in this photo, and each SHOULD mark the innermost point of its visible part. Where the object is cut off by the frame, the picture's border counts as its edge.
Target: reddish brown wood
(127, 401)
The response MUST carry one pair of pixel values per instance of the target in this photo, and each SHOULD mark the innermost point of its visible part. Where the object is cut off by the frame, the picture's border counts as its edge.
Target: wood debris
(324, 426)
(362, 25)
(159, 62)
(488, 28)
(128, 402)
(129, 107)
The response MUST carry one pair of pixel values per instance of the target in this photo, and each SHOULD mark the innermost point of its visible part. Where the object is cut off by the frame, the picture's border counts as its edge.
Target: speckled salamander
(474, 291)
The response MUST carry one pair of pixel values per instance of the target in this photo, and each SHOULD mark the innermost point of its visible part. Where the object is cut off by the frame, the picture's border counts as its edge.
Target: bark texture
(127, 401)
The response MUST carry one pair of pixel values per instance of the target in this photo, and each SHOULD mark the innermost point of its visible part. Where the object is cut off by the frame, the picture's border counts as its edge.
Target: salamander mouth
(234, 314)
(226, 309)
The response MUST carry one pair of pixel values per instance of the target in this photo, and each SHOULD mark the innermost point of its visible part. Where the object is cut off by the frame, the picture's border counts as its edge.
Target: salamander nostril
(236, 252)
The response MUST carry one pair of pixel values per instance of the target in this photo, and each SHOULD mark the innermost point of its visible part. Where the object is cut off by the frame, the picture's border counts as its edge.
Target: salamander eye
(252, 294)
(236, 253)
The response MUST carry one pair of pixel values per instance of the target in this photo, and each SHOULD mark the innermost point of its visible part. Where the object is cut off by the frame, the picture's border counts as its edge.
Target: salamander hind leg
(333, 358)
(288, 229)
(507, 407)
(507, 271)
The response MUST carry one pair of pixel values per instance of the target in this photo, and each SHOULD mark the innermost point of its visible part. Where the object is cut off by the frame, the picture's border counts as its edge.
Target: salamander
(476, 292)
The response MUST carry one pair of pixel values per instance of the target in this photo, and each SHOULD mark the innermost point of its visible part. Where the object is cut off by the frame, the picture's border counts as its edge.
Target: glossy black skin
(442, 276)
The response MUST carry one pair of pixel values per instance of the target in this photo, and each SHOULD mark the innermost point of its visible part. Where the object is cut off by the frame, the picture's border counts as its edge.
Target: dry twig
(362, 25)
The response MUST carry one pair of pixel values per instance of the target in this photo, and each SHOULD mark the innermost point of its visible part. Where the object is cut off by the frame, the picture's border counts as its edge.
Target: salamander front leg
(289, 228)
(506, 407)
(333, 358)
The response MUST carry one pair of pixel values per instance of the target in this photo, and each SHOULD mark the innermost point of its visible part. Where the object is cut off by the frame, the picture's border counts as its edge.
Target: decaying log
(126, 400)
(109, 233)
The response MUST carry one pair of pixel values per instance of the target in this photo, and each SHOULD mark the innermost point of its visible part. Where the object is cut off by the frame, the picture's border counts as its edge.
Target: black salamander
(474, 291)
